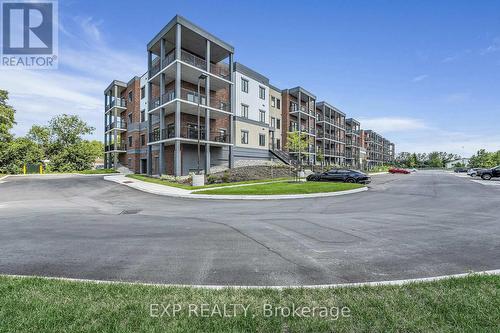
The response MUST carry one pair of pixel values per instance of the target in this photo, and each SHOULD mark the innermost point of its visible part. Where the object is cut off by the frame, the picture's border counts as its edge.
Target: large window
(244, 137)
(244, 111)
(130, 142)
(244, 85)
(273, 122)
(278, 103)
(262, 116)
(262, 92)
(143, 92)
(273, 101)
(262, 140)
(278, 123)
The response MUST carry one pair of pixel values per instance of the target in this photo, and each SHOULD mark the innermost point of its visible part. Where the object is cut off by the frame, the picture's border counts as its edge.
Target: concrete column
(232, 109)
(207, 111)
(149, 158)
(177, 148)
(299, 123)
(161, 156)
(115, 132)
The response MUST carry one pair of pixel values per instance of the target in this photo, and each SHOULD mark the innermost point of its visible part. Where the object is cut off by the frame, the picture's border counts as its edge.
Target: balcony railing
(117, 124)
(154, 103)
(120, 146)
(120, 102)
(193, 60)
(188, 132)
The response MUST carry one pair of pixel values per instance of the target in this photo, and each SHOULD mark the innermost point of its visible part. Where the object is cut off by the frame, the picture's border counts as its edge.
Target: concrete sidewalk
(170, 191)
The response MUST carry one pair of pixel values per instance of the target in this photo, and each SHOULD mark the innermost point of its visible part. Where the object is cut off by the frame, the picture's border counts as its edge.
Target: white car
(473, 172)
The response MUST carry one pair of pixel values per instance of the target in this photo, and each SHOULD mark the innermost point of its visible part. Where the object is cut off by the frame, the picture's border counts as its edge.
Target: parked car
(461, 170)
(487, 174)
(399, 170)
(473, 172)
(413, 170)
(340, 175)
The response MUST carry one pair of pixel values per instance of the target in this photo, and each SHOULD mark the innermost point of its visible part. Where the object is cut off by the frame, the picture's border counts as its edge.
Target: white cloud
(392, 124)
(493, 47)
(86, 66)
(420, 78)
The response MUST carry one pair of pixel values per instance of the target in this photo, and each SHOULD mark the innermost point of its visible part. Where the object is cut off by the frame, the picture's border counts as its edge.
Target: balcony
(188, 132)
(121, 125)
(120, 102)
(221, 70)
(193, 60)
(119, 147)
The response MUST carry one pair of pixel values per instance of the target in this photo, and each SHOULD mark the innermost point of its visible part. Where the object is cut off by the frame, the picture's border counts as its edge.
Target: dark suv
(487, 174)
(340, 175)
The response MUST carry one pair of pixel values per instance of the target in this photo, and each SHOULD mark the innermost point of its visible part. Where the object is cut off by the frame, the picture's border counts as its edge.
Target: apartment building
(190, 90)
(330, 135)
(299, 115)
(251, 120)
(194, 95)
(353, 143)
(125, 125)
(275, 121)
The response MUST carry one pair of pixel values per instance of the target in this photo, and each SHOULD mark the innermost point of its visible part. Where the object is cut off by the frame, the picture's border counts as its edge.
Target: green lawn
(189, 187)
(469, 304)
(284, 188)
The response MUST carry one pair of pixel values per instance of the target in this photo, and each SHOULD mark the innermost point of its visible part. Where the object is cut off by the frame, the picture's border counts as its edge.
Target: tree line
(60, 143)
(482, 159)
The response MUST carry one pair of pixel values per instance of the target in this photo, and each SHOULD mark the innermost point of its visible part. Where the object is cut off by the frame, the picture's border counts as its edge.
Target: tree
(435, 160)
(18, 152)
(41, 136)
(75, 157)
(67, 130)
(298, 142)
(7, 114)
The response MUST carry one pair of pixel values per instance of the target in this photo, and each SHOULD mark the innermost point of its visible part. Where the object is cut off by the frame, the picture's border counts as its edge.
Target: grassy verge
(189, 187)
(284, 188)
(469, 304)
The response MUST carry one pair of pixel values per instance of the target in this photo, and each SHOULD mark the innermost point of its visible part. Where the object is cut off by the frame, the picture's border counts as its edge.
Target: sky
(425, 74)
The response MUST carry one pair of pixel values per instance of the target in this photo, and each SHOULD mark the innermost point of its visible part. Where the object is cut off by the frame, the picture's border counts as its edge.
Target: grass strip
(284, 188)
(468, 304)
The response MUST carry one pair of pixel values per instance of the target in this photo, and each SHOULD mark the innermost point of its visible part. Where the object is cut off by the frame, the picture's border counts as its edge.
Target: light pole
(201, 77)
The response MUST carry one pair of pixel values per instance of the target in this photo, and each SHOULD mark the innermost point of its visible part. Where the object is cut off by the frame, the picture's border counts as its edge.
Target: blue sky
(426, 74)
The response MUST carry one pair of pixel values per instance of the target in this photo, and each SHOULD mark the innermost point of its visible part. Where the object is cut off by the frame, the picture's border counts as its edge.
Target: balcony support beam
(231, 92)
(207, 111)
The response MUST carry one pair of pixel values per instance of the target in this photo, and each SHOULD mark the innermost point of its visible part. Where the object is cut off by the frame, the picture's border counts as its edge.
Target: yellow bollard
(41, 169)
(24, 169)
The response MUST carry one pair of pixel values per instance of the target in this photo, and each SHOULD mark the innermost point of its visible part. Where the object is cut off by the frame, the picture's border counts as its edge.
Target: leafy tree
(7, 114)
(435, 160)
(17, 153)
(41, 136)
(298, 142)
(76, 157)
(67, 130)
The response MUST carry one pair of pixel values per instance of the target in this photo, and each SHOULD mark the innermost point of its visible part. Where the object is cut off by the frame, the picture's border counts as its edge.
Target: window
(244, 111)
(278, 143)
(278, 103)
(273, 122)
(244, 85)
(262, 116)
(130, 142)
(278, 123)
(143, 139)
(143, 92)
(262, 92)
(129, 118)
(244, 137)
(143, 116)
(130, 96)
(262, 140)
(273, 101)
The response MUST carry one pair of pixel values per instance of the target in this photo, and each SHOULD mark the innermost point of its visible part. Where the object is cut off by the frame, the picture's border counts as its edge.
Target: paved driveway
(405, 226)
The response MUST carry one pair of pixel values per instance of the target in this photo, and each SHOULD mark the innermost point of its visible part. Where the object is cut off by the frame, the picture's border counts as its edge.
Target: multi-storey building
(126, 125)
(330, 135)
(298, 115)
(353, 143)
(251, 121)
(374, 148)
(193, 95)
(275, 121)
(190, 89)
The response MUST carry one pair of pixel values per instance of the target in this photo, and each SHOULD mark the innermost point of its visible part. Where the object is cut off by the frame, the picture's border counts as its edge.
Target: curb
(3, 177)
(63, 174)
(234, 197)
(219, 287)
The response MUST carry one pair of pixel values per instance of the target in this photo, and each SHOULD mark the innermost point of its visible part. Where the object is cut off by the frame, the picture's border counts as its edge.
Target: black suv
(487, 174)
(340, 175)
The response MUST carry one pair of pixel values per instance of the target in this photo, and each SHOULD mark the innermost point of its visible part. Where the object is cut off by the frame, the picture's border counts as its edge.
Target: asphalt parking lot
(406, 226)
